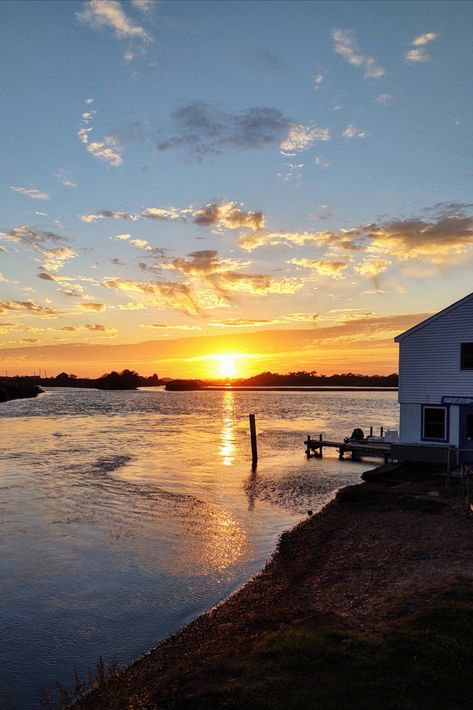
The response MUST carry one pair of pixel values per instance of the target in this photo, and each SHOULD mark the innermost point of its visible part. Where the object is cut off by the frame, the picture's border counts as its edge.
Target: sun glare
(227, 366)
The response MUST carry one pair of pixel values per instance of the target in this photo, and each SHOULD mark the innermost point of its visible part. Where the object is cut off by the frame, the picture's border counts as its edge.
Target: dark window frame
(466, 358)
(445, 422)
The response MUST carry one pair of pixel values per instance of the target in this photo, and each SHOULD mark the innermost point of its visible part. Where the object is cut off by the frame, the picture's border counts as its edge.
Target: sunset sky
(286, 182)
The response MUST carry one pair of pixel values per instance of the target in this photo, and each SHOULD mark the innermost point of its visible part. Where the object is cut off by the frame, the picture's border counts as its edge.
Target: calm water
(124, 515)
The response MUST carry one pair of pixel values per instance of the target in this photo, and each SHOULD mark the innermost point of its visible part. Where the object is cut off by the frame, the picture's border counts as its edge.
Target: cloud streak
(177, 296)
(28, 308)
(324, 267)
(32, 192)
(346, 46)
(224, 275)
(220, 215)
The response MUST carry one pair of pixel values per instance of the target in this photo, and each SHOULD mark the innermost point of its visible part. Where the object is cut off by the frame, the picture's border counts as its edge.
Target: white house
(436, 379)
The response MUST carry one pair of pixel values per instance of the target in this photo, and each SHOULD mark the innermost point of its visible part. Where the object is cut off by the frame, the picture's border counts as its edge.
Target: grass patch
(425, 662)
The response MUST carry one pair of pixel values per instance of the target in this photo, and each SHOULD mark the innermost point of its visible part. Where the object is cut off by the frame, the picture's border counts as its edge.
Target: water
(125, 514)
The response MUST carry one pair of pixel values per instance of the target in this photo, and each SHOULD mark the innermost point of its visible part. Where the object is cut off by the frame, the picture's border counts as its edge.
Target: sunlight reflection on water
(124, 514)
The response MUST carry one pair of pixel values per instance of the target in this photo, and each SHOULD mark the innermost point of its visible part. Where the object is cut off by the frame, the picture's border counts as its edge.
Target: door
(466, 434)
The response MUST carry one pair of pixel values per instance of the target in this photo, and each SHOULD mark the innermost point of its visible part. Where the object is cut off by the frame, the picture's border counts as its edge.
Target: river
(123, 515)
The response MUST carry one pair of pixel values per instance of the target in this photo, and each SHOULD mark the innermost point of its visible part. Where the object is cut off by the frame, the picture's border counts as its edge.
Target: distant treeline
(131, 380)
(124, 380)
(312, 379)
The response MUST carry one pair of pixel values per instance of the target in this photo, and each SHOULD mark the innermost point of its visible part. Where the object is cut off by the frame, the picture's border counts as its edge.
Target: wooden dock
(356, 447)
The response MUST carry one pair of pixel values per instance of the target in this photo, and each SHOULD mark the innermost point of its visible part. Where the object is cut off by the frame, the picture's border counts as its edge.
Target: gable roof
(433, 318)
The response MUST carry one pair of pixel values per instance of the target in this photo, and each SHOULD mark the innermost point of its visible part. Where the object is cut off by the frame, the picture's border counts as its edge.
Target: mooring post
(307, 451)
(371, 431)
(381, 431)
(254, 448)
(321, 453)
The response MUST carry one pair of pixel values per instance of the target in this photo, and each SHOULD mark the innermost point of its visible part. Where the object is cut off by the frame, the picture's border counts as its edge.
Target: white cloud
(372, 267)
(324, 267)
(293, 173)
(352, 131)
(141, 244)
(318, 81)
(143, 5)
(345, 45)
(54, 259)
(109, 214)
(109, 149)
(301, 137)
(321, 161)
(424, 39)
(416, 55)
(65, 178)
(164, 326)
(384, 99)
(130, 306)
(99, 328)
(101, 14)
(161, 213)
(32, 192)
(93, 307)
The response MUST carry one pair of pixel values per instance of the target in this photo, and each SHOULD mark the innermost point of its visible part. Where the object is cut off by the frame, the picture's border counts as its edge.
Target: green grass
(426, 662)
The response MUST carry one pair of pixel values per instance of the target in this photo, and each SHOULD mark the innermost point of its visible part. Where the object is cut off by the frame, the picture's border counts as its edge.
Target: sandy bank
(379, 554)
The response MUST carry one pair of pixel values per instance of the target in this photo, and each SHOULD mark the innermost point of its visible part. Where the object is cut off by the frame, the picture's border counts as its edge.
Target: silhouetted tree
(125, 380)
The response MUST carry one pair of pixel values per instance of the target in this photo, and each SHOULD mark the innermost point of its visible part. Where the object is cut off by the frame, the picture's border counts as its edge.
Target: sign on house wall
(457, 400)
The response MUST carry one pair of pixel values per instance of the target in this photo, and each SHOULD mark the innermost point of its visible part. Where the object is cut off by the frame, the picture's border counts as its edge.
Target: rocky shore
(366, 604)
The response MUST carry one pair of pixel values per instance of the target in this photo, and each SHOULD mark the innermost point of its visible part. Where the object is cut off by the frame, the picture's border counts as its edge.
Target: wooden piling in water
(254, 447)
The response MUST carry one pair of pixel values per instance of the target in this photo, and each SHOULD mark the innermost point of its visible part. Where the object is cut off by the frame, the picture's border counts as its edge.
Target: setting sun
(227, 366)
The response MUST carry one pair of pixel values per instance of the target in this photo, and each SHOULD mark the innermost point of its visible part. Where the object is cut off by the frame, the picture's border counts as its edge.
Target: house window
(467, 356)
(434, 423)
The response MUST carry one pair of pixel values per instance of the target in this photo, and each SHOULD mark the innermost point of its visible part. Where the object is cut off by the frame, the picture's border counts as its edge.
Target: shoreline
(378, 554)
(14, 390)
(289, 388)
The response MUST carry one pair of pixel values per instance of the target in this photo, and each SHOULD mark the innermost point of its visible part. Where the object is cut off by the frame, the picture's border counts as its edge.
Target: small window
(434, 423)
(467, 356)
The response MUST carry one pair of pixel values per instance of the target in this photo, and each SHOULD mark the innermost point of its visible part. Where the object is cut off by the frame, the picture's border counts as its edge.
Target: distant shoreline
(291, 388)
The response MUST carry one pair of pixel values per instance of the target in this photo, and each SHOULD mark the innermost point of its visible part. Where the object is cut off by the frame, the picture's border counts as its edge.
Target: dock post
(371, 431)
(381, 431)
(321, 447)
(254, 448)
(307, 451)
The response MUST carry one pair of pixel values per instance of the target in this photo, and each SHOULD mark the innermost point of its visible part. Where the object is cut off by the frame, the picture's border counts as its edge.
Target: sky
(191, 188)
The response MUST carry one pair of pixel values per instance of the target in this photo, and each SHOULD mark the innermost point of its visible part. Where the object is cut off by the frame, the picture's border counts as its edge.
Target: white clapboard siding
(429, 358)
